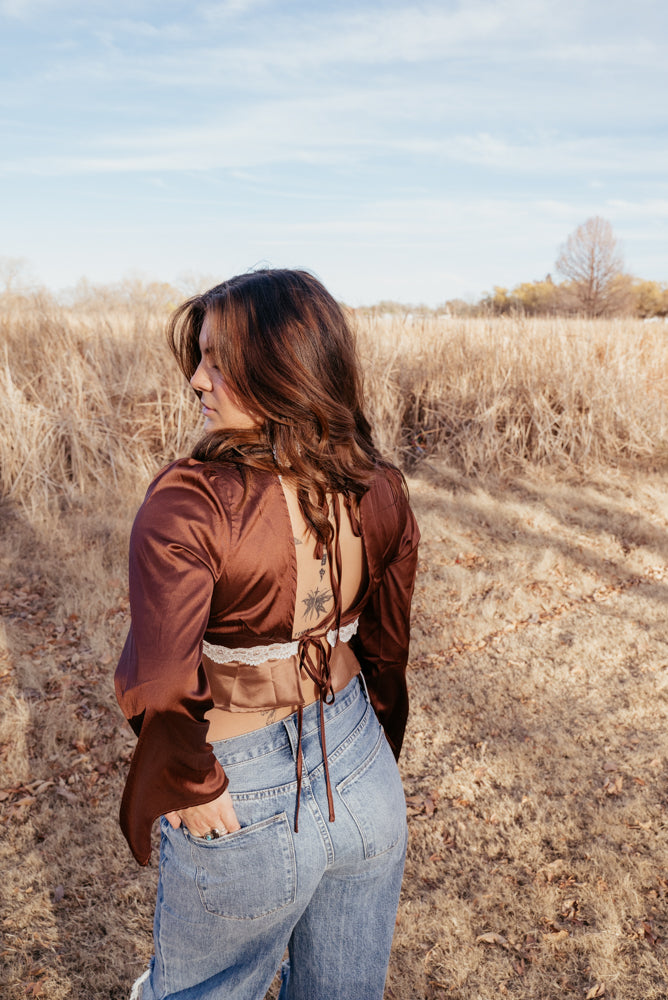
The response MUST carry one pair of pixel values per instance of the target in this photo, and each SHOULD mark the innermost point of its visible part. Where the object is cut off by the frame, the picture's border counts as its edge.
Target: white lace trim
(256, 655)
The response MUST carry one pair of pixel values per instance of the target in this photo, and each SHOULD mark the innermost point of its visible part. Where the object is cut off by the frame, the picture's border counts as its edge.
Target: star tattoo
(315, 603)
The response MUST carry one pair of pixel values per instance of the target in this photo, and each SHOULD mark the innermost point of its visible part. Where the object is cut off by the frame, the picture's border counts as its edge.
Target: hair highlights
(288, 355)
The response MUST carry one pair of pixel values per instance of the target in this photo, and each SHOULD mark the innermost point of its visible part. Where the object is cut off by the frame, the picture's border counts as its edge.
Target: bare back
(314, 602)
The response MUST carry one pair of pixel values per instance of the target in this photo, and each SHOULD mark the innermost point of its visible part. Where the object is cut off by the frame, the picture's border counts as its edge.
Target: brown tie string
(314, 659)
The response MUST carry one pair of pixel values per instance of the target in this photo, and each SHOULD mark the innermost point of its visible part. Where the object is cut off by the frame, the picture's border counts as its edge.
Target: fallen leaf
(554, 869)
(67, 794)
(645, 930)
(613, 787)
(569, 909)
(492, 938)
(556, 936)
(35, 990)
(596, 991)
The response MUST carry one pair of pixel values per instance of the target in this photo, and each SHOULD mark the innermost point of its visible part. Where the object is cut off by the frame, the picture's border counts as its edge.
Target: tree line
(594, 284)
(590, 263)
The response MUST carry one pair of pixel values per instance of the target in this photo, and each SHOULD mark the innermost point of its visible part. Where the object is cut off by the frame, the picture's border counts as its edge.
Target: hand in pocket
(217, 815)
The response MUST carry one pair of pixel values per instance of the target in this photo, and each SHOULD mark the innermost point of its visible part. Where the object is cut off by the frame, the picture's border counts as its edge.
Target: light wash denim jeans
(227, 909)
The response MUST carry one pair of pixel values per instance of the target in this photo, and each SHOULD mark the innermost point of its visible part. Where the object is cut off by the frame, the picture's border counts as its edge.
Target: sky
(417, 152)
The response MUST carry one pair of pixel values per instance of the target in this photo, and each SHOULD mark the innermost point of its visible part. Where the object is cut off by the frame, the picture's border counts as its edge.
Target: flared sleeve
(382, 640)
(176, 551)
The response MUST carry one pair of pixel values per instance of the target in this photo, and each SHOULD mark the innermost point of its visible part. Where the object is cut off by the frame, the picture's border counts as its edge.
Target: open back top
(215, 572)
(256, 680)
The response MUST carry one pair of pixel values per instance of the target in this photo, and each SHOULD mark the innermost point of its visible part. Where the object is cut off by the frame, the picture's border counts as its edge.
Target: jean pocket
(248, 873)
(374, 797)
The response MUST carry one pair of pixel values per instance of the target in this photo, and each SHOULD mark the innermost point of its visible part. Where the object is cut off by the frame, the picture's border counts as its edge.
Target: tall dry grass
(535, 868)
(90, 399)
(493, 394)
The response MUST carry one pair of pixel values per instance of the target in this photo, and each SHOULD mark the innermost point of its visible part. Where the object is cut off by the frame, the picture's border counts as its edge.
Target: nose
(200, 380)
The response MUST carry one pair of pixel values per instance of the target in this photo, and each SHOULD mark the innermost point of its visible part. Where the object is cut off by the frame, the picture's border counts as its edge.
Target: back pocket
(374, 797)
(249, 873)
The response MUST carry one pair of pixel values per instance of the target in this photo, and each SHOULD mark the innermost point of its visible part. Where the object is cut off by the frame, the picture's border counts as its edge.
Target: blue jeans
(227, 909)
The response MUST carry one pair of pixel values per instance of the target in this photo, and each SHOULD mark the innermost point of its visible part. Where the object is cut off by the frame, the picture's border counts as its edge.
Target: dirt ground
(534, 764)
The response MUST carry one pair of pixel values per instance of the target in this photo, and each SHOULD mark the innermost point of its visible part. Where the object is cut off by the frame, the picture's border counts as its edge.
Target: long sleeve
(383, 635)
(175, 558)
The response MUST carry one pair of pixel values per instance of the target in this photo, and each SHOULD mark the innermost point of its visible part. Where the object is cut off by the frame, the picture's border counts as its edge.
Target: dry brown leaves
(654, 573)
(422, 806)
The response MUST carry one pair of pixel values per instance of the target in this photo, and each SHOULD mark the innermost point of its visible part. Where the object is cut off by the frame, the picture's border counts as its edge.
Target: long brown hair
(287, 354)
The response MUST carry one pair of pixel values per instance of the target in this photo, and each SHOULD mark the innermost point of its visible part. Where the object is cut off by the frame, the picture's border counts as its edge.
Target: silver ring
(214, 834)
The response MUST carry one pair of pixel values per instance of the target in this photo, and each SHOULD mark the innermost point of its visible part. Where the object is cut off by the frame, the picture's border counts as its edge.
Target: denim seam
(242, 757)
(345, 745)
(264, 793)
(348, 783)
(311, 802)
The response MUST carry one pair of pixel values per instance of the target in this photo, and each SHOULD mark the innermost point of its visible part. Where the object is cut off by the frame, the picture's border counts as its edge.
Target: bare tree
(14, 274)
(592, 264)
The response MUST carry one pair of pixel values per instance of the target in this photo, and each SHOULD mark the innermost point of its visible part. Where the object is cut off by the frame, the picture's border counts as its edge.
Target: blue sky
(410, 151)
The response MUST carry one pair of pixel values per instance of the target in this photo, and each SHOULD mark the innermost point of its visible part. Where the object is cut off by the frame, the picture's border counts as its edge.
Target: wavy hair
(288, 356)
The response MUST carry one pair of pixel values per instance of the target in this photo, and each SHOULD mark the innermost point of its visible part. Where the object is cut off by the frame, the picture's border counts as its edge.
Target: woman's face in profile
(221, 412)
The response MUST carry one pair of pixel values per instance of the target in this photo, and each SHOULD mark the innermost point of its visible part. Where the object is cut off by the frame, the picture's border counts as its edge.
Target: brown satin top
(204, 565)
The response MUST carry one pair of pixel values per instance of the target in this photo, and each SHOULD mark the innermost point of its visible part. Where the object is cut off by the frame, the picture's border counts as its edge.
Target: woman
(271, 576)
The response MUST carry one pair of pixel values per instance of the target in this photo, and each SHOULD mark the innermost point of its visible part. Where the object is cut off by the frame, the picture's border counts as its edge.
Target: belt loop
(291, 733)
(365, 690)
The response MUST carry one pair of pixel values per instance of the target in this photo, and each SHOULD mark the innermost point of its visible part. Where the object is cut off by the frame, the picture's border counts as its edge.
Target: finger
(173, 819)
(228, 815)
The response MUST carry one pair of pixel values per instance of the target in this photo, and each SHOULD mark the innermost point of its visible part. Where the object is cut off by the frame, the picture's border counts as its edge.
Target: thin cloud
(308, 132)
(554, 154)
(25, 10)
(214, 13)
(289, 44)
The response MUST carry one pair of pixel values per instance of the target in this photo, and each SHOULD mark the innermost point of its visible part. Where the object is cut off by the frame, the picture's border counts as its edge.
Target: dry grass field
(535, 760)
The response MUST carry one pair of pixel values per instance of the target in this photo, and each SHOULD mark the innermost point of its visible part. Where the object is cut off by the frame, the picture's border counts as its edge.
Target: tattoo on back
(315, 604)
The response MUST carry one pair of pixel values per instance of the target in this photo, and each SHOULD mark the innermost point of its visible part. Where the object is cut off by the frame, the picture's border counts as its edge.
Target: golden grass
(535, 757)
(535, 767)
(90, 398)
(493, 394)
